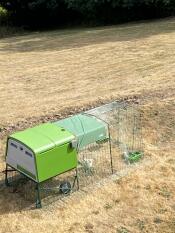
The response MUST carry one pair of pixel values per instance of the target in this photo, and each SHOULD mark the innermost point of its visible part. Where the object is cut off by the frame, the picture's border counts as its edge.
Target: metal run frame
(109, 137)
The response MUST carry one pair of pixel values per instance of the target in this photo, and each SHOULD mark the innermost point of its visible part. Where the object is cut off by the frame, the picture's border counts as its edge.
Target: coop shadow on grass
(10, 199)
(20, 194)
(96, 161)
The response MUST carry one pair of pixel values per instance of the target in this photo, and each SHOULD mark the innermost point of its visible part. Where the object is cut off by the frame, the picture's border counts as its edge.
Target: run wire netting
(125, 128)
(99, 159)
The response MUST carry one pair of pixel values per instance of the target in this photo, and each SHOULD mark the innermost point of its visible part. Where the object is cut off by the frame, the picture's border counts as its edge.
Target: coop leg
(38, 198)
(6, 176)
(74, 182)
(76, 179)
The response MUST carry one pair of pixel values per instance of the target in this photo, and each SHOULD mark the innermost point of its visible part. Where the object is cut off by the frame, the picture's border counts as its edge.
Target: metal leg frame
(37, 188)
(38, 197)
(76, 179)
(6, 175)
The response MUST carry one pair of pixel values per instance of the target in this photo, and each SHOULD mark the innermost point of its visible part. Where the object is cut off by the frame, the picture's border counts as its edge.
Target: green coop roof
(43, 137)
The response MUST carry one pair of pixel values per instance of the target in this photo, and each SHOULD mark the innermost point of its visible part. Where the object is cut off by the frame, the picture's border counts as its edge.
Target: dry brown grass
(42, 74)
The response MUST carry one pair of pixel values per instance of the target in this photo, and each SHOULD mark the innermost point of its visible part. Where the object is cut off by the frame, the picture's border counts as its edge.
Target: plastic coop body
(51, 149)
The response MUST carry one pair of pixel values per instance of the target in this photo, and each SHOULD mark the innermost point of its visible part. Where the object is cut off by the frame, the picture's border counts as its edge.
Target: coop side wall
(56, 161)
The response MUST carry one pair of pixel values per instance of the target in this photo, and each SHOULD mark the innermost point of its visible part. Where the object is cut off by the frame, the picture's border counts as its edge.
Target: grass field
(48, 75)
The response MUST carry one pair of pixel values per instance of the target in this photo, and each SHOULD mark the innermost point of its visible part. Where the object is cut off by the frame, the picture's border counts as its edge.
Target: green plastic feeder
(134, 156)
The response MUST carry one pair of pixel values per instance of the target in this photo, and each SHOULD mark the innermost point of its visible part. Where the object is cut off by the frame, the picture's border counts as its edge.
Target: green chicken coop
(50, 149)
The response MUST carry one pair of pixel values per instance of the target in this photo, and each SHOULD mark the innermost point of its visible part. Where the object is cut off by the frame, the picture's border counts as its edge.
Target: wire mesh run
(97, 160)
(95, 163)
(125, 128)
